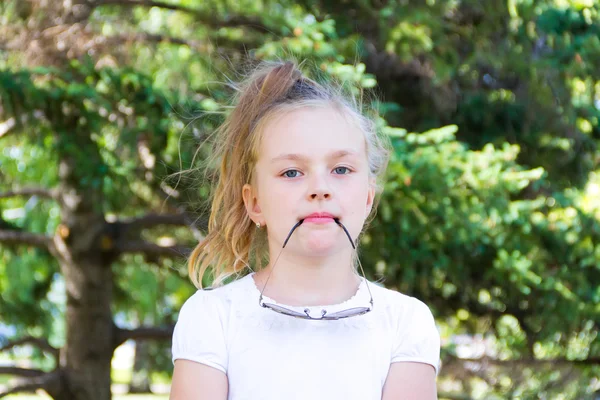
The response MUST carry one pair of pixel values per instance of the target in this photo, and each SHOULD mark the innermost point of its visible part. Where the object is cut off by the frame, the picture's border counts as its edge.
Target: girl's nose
(319, 188)
(322, 194)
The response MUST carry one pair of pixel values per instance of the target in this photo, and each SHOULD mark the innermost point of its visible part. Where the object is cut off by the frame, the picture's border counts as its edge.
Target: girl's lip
(319, 215)
(319, 218)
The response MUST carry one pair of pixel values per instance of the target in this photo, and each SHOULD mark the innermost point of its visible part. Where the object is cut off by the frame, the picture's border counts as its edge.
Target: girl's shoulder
(398, 303)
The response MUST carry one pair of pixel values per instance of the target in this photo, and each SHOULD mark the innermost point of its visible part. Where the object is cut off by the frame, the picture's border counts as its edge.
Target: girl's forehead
(312, 132)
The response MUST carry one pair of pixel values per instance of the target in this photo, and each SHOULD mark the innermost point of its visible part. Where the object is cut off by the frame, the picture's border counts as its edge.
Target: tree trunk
(85, 359)
(87, 354)
(142, 366)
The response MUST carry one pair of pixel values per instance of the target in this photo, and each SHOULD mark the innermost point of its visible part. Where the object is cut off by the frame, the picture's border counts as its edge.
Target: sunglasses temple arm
(337, 221)
(292, 231)
(284, 244)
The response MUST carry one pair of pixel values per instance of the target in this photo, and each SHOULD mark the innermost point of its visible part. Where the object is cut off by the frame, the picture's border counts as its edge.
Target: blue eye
(342, 168)
(288, 171)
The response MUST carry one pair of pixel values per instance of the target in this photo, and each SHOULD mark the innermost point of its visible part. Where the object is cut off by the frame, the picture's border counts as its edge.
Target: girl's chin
(322, 245)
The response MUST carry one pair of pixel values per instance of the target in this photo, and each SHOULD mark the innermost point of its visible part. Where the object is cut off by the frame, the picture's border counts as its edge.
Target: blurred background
(490, 212)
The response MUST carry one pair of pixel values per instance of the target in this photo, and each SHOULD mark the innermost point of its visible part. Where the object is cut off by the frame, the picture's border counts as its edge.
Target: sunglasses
(351, 312)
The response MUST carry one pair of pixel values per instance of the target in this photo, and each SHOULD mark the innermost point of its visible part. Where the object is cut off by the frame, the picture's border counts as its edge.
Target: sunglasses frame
(331, 317)
(324, 316)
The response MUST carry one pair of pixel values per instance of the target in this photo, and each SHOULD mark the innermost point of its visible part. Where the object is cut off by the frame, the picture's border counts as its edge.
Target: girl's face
(311, 160)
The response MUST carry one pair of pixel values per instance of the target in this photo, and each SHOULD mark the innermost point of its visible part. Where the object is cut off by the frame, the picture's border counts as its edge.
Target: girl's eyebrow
(300, 157)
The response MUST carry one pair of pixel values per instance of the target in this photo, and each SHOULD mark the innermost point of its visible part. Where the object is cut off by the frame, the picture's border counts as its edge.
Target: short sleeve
(199, 333)
(417, 338)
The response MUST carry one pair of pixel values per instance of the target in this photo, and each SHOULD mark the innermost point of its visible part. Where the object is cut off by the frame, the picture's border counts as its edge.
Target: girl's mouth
(320, 218)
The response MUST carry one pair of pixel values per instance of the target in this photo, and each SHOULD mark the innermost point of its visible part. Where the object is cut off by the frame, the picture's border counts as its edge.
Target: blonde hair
(272, 88)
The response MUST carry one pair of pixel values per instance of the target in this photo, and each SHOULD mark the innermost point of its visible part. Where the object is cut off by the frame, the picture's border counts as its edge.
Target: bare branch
(133, 225)
(204, 17)
(31, 191)
(26, 238)
(152, 249)
(41, 343)
(30, 373)
(168, 248)
(48, 381)
(143, 333)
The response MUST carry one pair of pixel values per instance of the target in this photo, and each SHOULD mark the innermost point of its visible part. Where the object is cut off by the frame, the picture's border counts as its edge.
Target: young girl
(299, 170)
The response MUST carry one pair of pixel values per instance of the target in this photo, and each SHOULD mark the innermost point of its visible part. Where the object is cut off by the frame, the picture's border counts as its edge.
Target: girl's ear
(251, 204)
(370, 197)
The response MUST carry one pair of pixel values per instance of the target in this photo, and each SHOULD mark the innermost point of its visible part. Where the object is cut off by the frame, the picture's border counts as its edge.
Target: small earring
(258, 225)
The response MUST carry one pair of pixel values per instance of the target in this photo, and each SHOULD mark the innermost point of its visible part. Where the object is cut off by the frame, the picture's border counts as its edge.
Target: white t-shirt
(270, 356)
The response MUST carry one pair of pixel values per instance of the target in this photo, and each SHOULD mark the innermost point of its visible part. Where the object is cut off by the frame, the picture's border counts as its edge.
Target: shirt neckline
(353, 299)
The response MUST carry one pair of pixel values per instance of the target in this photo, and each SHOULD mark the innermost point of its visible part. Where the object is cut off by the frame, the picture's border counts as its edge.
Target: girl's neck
(309, 282)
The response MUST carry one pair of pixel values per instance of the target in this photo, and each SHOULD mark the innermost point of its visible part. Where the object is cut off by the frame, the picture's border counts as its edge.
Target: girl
(299, 169)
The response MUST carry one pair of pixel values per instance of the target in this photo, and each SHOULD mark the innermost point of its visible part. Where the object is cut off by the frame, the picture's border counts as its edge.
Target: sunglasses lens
(349, 312)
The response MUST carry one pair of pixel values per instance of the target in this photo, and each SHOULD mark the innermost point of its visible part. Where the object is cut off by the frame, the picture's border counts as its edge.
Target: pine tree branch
(152, 220)
(11, 237)
(155, 38)
(31, 191)
(151, 249)
(145, 3)
(206, 18)
(221, 45)
(123, 236)
(524, 361)
(453, 396)
(125, 227)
